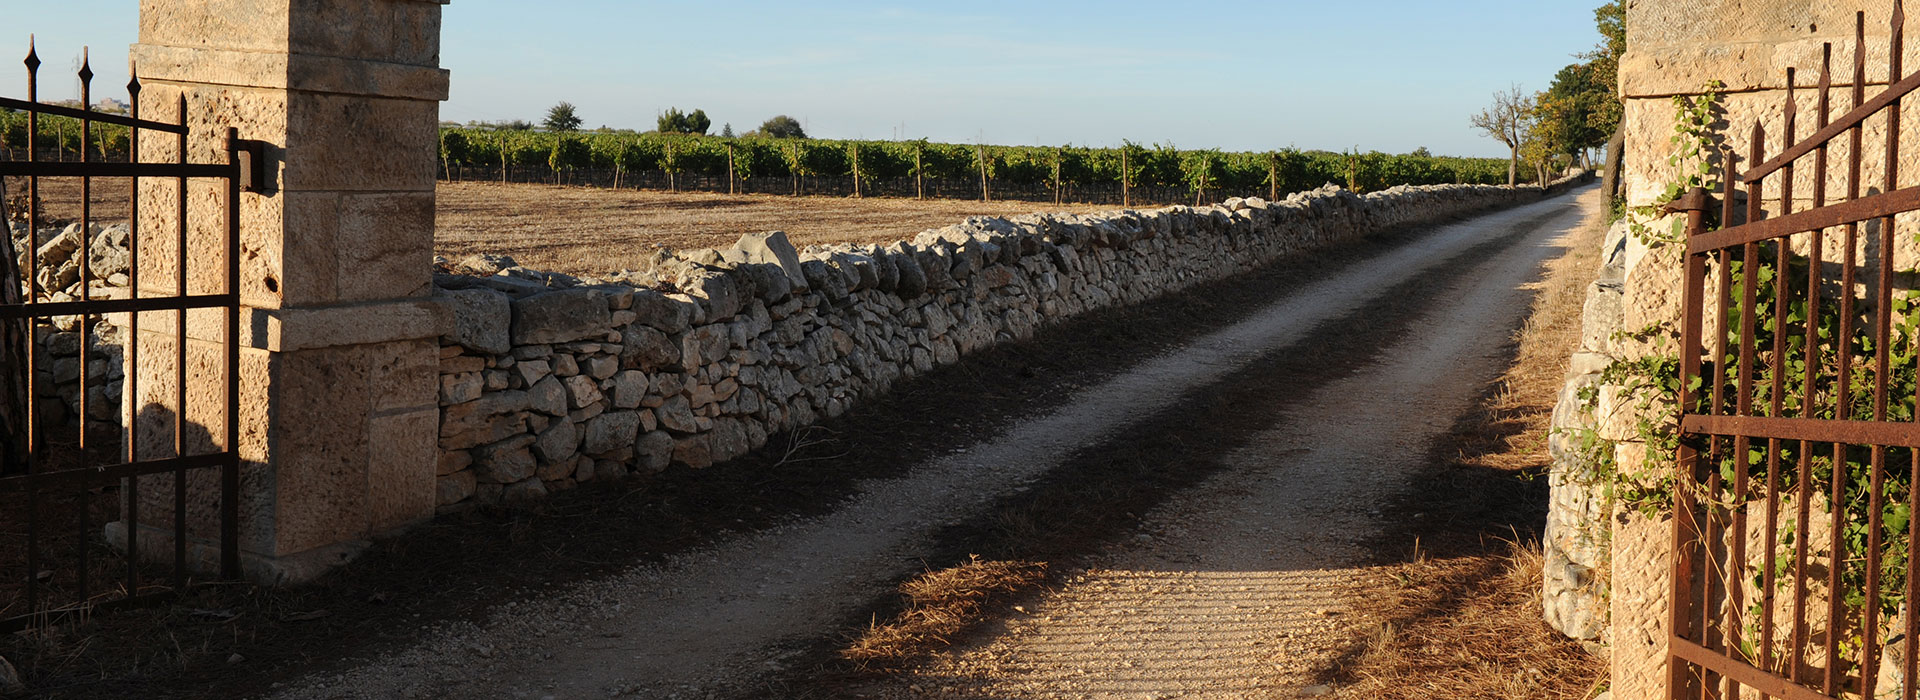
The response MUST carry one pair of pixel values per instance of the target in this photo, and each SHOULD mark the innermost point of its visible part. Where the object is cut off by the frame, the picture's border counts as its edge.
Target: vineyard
(1131, 172)
(922, 168)
(59, 137)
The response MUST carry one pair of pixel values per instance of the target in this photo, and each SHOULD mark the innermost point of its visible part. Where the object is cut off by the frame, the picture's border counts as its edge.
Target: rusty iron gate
(1799, 454)
(57, 562)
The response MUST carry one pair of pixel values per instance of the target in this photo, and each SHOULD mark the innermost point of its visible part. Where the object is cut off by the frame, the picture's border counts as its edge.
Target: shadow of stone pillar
(339, 359)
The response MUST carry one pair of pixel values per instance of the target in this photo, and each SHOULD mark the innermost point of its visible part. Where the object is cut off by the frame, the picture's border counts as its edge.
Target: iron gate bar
(1847, 432)
(230, 471)
(1747, 675)
(107, 306)
(131, 452)
(1686, 526)
(1826, 133)
(103, 117)
(1849, 212)
(33, 295)
(1810, 382)
(74, 477)
(69, 169)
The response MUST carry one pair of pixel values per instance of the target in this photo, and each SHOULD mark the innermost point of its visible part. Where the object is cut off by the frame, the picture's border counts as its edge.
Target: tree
(1506, 120)
(783, 127)
(1542, 135)
(726, 132)
(1611, 20)
(673, 121)
(1575, 105)
(561, 118)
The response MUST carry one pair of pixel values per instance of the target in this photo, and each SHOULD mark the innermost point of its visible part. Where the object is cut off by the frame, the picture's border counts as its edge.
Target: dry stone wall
(57, 268)
(549, 381)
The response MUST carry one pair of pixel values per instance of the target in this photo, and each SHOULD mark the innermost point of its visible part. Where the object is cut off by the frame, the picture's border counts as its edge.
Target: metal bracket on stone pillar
(255, 174)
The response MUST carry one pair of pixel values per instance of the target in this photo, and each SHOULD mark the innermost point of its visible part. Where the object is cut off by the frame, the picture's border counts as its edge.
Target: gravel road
(1234, 595)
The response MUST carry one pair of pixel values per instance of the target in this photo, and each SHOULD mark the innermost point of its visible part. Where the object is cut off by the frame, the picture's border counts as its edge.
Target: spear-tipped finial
(33, 58)
(86, 66)
(133, 78)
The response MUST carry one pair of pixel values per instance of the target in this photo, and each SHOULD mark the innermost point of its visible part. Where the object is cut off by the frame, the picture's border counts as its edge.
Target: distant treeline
(468, 151)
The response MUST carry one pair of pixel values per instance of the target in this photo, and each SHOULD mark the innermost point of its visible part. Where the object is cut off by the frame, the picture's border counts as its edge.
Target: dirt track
(1257, 554)
(1243, 588)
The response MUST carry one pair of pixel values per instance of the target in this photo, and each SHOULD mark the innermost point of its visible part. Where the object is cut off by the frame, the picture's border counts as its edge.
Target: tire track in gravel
(719, 618)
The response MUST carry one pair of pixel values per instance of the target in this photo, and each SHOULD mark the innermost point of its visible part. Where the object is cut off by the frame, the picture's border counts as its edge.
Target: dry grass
(1511, 432)
(583, 230)
(1470, 628)
(939, 605)
(1467, 624)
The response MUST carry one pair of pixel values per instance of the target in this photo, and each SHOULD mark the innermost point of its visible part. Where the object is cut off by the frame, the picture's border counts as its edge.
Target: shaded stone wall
(710, 352)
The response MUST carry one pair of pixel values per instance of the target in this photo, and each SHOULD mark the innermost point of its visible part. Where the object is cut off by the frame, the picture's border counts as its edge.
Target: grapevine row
(1021, 167)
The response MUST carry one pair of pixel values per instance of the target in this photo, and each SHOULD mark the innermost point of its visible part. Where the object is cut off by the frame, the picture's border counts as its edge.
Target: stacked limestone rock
(58, 271)
(1574, 587)
(550, 380)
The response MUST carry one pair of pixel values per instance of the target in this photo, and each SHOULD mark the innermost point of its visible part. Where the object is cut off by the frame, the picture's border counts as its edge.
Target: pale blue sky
(1390, 75)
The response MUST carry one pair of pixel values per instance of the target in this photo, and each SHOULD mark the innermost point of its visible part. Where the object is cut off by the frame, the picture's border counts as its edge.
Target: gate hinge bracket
(255, 174)
(1695, 199)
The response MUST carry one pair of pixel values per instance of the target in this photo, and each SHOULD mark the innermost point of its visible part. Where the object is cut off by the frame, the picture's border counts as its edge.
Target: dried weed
(939, 605)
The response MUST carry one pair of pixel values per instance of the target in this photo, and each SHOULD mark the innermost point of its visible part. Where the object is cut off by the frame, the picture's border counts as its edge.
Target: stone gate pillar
(338, 417)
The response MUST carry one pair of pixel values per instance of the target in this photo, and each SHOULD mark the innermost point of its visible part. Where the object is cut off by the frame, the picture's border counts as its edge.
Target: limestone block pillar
(338, 419)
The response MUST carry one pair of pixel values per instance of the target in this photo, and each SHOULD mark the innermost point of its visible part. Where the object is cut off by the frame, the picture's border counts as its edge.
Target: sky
(1387, 75)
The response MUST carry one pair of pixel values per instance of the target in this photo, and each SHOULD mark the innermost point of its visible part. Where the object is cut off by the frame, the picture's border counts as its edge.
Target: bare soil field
(584, 230)
(581, 230)
(60, 198)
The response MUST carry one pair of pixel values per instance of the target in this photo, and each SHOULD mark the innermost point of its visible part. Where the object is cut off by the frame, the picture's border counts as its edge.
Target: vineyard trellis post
(919, 174)
(1273, 176)
(856, 170)
(1126, 179)
(980, 154)
(793, 165)
(1056, 176)
(1200, 183)
(732, 188)
(619, 161)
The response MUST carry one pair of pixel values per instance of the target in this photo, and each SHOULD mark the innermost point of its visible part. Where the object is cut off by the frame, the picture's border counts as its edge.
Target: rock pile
(57, 269)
